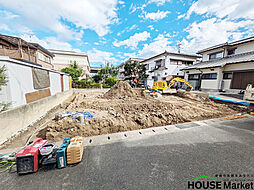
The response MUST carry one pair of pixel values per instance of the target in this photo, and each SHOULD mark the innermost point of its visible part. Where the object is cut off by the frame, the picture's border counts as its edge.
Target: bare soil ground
(122, 109)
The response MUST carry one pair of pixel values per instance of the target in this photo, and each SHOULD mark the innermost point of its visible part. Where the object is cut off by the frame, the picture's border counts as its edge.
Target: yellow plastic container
(75, 150)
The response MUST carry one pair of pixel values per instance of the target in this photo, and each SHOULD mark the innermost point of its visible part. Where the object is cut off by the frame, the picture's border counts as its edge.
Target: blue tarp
(231, 101)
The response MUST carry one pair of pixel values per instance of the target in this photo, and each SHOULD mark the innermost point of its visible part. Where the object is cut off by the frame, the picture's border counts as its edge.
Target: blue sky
(114, 30)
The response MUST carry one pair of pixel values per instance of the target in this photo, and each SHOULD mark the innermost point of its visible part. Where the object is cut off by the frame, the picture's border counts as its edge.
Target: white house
(121, 75)
(94, 71)
(166, 66)
(224, 67)
(63, 59)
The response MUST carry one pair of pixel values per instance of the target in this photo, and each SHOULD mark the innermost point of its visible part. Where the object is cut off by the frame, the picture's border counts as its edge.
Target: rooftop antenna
(178, 45)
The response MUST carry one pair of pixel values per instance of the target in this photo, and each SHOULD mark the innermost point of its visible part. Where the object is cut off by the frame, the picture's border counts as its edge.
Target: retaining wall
(19, 118)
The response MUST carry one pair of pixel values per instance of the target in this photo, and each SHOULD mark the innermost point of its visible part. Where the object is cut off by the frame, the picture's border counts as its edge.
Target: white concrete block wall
(55, 82)
(66, 82)
(20, 82)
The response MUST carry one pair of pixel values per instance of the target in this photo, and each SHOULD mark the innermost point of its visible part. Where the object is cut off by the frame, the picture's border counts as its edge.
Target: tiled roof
(245, 40)
(15, 41)
(43, 49)
(240, 58)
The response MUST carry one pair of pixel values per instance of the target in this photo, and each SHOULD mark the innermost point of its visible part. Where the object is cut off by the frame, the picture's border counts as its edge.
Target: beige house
(224, 67)
(63, 59)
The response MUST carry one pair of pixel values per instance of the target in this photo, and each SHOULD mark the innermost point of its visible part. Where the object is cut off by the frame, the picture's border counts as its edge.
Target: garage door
(240, 80)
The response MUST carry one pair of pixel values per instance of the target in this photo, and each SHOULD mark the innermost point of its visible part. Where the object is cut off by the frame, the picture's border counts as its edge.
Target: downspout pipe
(200, 79)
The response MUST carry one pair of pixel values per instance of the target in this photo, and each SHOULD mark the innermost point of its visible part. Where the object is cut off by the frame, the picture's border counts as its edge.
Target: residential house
(94, 71)
(43, 56)
(19, 49)
(166, 66)
(224, 67)
(63, 59)
(121, 75)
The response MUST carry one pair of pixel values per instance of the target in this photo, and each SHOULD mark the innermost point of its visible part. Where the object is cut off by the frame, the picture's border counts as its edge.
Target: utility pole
(178, 45)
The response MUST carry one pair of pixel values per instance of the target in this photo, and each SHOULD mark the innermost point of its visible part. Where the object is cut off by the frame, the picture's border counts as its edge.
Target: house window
(187, 62)
(40, 56)
(216, 55)
(227, 76)
(209, 76)
(193, 76)
(47, 59)
(231, 51)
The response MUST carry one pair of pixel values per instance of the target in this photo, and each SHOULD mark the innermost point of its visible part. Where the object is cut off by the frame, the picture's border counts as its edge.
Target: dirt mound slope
(193, 96)
(122, 89)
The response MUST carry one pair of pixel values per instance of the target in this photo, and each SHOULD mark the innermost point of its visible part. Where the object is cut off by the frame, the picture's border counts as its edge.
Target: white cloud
(155, 15)
(222, 8)
(4, 27)
(133, 41)
(51, 15)
(225, 21)
(181, 16)
(127, 29)
(151, 27)
(101, 57)
(160, 44)
(130, 55)
(159, 2)
(214, 31)
(48, 42)
(121, 2)
(133, 8)
(7, 14)
(132, 27)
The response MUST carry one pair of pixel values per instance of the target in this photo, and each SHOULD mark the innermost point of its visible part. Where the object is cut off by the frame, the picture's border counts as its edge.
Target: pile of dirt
(114, 114)
(122, 89)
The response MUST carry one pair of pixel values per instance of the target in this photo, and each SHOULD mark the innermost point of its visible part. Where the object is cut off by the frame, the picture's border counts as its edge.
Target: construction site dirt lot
(123, 108)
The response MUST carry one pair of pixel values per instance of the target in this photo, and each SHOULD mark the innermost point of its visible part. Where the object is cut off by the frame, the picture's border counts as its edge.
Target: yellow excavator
(166, 88)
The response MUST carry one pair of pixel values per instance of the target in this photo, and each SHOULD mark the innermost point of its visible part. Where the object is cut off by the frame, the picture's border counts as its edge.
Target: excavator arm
(162, 85)
(177, 79)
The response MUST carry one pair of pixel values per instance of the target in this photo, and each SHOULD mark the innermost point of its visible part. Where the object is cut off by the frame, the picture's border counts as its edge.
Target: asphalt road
(159, 161)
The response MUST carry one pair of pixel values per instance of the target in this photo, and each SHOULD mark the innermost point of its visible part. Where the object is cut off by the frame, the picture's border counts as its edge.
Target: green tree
(135, 70)
(74, 70)
(107, 71)
(3, 81)
(3, 77)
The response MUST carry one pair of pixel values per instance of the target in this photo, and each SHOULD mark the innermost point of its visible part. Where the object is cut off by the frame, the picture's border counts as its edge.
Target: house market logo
(208, 182)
